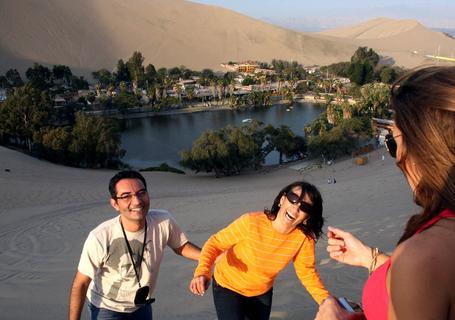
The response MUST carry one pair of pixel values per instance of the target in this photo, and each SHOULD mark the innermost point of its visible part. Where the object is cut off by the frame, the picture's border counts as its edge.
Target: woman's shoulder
(421, 273)
(258, 219)
(426, 254)
(256, 214)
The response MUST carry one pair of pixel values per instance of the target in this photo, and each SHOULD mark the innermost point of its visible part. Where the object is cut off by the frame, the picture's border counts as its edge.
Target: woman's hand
(344, 247)
(199, 285)
(330, 309)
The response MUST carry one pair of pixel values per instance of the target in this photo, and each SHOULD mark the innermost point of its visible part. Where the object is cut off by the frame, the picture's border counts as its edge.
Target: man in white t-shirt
(121, 257)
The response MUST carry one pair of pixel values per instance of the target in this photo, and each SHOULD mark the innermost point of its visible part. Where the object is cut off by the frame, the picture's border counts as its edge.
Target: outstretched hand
(199, 285)
(346, 248)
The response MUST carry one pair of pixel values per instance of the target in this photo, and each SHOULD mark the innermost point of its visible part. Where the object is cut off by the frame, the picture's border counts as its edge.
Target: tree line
(29, 121)
(230, 150)
(67, 135)
(337, 132)
(343, 127)
(43, 78)
(364, 68)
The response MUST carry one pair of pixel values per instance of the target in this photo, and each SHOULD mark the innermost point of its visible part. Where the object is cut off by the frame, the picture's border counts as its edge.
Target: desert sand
(88, 35)
(402, 42)
(47, 210)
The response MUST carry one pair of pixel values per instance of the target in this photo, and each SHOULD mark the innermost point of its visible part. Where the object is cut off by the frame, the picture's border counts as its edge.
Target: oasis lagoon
(159, 139)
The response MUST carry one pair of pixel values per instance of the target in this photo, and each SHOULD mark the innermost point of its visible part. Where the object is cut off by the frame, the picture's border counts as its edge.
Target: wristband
(374, 259)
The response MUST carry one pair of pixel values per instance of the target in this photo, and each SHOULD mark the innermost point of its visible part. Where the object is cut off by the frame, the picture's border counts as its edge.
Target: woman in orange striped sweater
(257, 246)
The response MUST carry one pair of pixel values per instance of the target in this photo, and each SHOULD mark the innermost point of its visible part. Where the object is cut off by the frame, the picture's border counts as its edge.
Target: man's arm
(188, 250)
(77, 296)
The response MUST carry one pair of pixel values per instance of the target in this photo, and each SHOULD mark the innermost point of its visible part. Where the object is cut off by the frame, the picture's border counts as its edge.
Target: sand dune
(47, 211)
(405, 42)
(374, 29)
(90, 34)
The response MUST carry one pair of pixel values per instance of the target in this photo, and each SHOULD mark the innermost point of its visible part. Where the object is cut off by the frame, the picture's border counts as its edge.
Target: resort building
(242, 67)
(187, 84)
(311, 69)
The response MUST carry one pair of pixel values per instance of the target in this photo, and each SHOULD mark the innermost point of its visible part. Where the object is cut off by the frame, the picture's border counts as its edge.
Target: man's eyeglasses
(391, 144)
(141, 194)
(295, 199)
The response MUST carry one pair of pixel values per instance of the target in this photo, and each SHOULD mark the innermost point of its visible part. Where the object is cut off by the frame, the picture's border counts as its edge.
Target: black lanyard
(130, 251)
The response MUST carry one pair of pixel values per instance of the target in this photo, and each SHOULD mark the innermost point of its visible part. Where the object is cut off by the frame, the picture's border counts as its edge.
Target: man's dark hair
(126, 174)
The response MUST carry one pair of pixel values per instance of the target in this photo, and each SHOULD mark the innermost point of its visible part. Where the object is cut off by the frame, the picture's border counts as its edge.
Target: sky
(314, 15)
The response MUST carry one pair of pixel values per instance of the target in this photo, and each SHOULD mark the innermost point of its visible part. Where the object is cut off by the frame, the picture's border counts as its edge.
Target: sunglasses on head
(391, 145)
(295, 199)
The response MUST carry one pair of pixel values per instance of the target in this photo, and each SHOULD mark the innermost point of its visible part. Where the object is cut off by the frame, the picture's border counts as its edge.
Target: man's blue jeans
(231, 305)
(143, 313)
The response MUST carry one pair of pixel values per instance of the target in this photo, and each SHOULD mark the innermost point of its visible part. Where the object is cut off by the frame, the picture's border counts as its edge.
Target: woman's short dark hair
(125, 174)
(312, 227)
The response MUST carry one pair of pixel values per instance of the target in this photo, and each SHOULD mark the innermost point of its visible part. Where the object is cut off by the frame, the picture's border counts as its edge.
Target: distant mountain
(404, 42)
(88, 35)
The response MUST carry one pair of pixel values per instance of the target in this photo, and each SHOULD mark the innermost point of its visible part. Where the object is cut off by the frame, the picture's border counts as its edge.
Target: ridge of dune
(88, 35)
(374, 29)
(91, 34)
(401, 42)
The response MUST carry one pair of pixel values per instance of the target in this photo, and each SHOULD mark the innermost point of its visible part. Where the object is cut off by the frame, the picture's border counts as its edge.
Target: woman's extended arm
(214, 246)
(305, 268)
(346, 248)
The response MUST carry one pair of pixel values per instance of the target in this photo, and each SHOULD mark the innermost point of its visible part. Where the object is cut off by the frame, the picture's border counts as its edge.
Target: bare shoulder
(428, 255)
(434, 243)
(421, 281)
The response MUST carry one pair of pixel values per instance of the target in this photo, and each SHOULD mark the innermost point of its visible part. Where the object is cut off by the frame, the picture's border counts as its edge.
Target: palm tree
(288, 94)
(158, 92)
(98, 89)
(347, 110)
(178, 92)
(190, 93)
(330, 114)
(213, 87)
(220, 91)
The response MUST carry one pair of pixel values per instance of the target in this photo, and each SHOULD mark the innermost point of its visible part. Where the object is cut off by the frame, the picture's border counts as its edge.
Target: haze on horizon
(321, 15)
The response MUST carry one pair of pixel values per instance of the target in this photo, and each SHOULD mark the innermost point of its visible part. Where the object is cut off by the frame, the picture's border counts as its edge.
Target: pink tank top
(375, 299)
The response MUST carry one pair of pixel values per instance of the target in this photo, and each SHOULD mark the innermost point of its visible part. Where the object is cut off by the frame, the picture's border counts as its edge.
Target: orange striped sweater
(256, 253)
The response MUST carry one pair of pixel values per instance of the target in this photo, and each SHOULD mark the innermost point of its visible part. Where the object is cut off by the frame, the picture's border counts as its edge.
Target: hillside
(405, 42)
(90, 34)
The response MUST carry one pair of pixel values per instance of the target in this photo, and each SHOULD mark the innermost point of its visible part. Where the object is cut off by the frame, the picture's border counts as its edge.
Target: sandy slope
(90, 34)
(47, 211)
(404, 42)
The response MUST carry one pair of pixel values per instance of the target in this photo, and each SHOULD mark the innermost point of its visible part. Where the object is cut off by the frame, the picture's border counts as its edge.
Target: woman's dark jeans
(231, 305)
